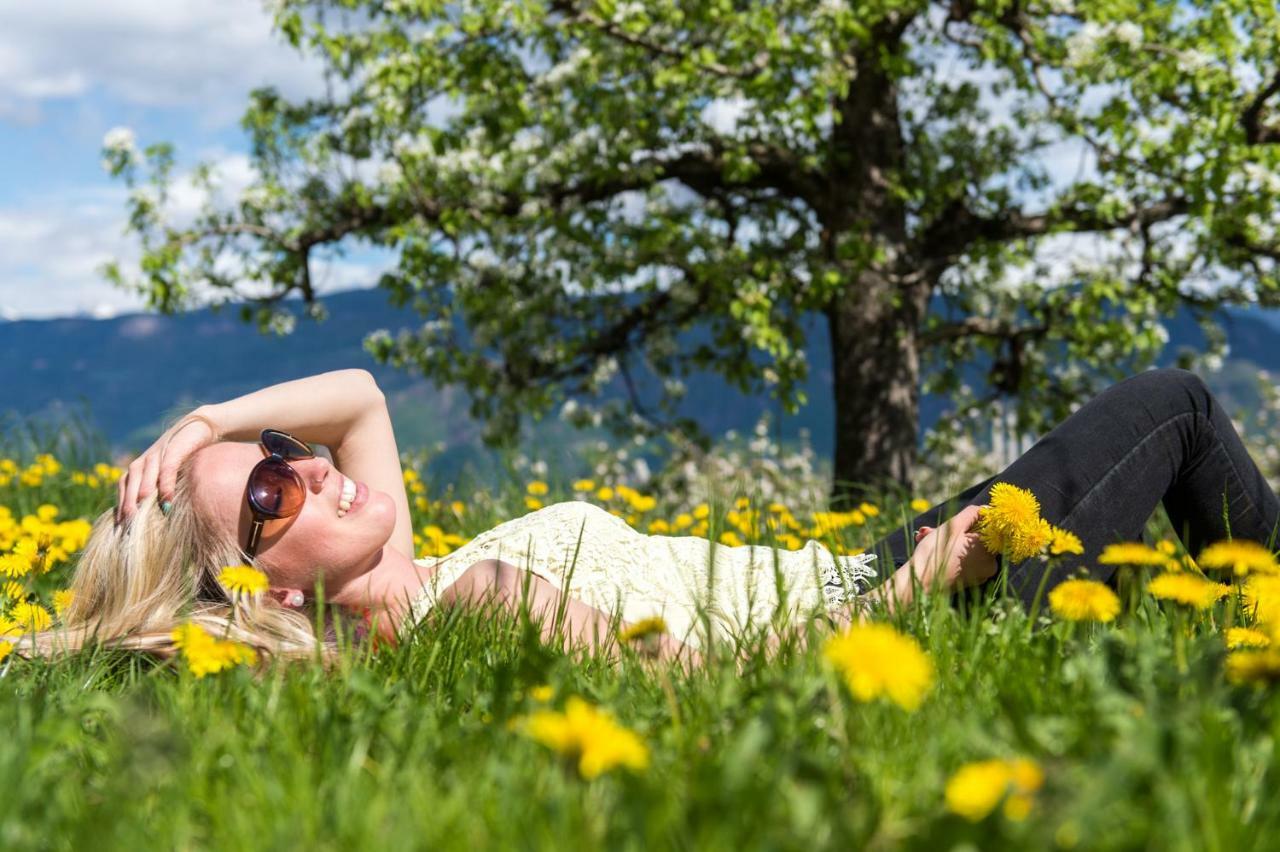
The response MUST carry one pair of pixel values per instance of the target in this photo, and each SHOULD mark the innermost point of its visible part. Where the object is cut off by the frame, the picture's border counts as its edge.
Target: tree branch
(1255, 133)
(974, 326)
(574, 15)
(958, 227)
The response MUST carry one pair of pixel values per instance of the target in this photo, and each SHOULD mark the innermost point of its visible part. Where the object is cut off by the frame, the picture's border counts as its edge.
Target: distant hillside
(129, 372)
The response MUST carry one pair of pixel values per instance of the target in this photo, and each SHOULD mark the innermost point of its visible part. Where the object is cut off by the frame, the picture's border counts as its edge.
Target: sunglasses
(275, 489)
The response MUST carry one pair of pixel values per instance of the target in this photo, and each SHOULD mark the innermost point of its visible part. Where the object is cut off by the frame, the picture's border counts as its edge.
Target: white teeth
(348, 496)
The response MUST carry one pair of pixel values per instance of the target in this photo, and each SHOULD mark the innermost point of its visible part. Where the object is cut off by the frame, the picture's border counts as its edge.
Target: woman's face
(314, 543)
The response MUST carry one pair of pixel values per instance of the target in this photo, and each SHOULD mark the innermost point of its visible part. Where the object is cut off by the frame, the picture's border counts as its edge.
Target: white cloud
(52, 245)
(151, 53)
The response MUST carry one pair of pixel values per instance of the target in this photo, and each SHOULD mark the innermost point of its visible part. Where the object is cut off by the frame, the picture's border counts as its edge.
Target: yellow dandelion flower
(875, 660)
(15, 565)
(584, 485)
(683, 521)
(6, 648)
(1132, 553)
(532, 502)
(643, 629)
(659, 525)
(1262, 599)
(1011, 506)
(742, 503)
(46, 512)
(1167, 547)
(205, 654)
(644, 503)
(1011, 523)
(701, 511)
(1246, 637)
(870, 510)
(604, 493)
(1239, 556)
(977, 788)
(457, 507)
(537, 488)
(730, 538)
(61, 600)
(541, 693)
(1253, 666)
(1189, 589)
(590, 735)
(243, 580)
(31, 617)
(13, 590)
(1061, 541)
(919, 505)
(1084, 600)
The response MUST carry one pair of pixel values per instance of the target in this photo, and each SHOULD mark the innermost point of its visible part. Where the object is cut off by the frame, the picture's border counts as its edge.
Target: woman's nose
(314, 472)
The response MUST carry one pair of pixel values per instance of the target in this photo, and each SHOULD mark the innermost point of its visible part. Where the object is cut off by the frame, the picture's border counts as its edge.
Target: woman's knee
(1182, 388)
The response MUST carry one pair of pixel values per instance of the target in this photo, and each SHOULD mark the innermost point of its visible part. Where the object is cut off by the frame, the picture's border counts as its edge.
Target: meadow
(1096, 722)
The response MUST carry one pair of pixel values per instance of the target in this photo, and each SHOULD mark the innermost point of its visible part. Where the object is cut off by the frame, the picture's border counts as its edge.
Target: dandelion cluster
(588, 735)
(36, 546)
(877, 661)
(643, 629)
(977, 788)
(1239, 556)
(1189, 589)
(243, 581)
(1084, 600)
(1011, 524)
(1133, 553)
(206, 654)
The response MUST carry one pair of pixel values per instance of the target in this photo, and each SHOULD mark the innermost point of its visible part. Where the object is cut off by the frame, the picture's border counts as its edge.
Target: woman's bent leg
(1159, 435)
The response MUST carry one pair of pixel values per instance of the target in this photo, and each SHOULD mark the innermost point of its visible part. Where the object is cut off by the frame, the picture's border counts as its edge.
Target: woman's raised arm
(343, 409)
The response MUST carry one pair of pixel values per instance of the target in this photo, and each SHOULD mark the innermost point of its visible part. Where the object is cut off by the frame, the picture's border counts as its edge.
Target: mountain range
(121, 378)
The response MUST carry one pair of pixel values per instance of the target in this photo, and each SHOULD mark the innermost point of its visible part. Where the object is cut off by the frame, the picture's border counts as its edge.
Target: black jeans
(1157, 436)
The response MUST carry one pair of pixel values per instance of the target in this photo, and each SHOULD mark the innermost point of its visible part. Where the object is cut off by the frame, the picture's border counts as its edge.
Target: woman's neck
(385, 590)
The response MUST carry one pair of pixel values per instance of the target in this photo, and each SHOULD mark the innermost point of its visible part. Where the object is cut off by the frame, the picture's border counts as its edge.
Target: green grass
(410, 747)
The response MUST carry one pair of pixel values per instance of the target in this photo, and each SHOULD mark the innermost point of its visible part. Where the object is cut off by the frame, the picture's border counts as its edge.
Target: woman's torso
(603, 562)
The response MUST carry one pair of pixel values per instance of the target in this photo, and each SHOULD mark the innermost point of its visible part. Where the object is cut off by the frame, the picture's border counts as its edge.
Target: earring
(295, 599)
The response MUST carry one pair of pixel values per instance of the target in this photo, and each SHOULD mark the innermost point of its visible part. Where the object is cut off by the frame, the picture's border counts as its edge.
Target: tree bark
(876, 385)
(874, 319)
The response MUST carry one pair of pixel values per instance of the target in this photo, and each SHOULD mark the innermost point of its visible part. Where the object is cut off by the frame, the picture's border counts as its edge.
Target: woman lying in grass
(221, 487)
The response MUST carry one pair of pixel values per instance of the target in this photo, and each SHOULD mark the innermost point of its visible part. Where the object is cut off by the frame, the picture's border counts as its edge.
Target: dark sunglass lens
(276, 489)
(286, 446)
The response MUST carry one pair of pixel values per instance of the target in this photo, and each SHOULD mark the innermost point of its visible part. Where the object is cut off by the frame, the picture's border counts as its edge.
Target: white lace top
(618, 569)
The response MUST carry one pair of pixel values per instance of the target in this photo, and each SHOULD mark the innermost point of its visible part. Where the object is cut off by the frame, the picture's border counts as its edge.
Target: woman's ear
(288, 598)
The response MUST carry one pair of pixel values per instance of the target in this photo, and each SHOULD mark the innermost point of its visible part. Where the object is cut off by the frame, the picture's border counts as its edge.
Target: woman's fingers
(192, 436)
(150, 473)
(121, 484)
(922, 532)
(132, 482)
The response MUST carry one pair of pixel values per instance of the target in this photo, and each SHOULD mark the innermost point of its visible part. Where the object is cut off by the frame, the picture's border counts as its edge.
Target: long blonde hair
(136, 582)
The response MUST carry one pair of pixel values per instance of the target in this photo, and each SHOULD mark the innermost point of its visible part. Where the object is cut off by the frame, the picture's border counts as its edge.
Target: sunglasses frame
(283, 448)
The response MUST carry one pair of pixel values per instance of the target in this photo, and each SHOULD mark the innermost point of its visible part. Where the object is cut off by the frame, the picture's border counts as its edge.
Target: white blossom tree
(566, 185)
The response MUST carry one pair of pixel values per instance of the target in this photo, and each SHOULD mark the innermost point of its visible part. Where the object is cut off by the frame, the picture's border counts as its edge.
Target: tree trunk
(876, 382)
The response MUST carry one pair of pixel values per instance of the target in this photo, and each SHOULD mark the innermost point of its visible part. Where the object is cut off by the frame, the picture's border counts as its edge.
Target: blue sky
(70, 70)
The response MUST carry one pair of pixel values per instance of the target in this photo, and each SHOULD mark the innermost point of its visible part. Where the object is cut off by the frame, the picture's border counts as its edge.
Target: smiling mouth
(354, 495)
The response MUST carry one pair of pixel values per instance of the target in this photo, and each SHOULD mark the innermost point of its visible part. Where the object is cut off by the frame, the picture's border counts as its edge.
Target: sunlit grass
(1139, 735)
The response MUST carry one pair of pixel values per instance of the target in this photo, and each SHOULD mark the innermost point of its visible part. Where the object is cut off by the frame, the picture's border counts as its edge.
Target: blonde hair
(136, 582)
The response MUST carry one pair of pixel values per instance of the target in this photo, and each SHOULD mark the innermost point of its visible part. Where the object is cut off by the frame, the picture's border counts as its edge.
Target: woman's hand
(953, 555)
(155, 471)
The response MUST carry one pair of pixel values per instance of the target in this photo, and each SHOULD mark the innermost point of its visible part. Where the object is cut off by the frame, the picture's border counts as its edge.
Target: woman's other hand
(155, 470)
